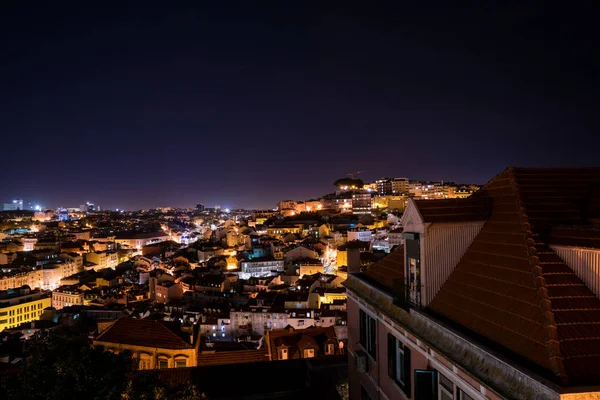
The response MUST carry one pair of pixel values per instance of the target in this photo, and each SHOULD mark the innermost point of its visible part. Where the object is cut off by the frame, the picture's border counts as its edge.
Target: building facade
(21, 305)
(489, 297)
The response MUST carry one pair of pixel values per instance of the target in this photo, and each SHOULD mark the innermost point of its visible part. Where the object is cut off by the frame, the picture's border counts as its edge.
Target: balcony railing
(403, 297)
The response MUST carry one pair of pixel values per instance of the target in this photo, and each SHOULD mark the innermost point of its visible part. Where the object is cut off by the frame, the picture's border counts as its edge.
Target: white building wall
(442, 247)
(584, 262)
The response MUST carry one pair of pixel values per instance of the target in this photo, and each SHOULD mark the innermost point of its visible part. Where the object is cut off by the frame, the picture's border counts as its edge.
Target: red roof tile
(143, 332)
(232, 357)
(473, 208)
(296, 339)
(511, 287)
(387, 270)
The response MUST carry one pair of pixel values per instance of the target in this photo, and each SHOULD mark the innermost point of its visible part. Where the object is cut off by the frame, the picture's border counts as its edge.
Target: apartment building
(490, 297)
(21, 305)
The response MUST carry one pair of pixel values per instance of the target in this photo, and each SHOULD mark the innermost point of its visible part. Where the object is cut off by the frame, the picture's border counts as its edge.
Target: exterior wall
(153, 355)
(584, 262)
(362, 235)
(15, 315)
(480, 372)
(311, 269)
(260, 268)
(33, 279)
(257, 322)
(442, 247)
(66, 299)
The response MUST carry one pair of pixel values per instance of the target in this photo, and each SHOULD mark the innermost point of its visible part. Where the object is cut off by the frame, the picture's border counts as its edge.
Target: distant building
(361, 203)
(200, 207)
(66, 296)
(21, 305)
(14, 206)
(384, 186)
(156, 344)
(260, 267)
(400, 186)
(287, 344)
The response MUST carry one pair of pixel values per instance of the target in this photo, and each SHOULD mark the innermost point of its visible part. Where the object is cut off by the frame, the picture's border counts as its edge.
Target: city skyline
(178, 105)
(226, 203)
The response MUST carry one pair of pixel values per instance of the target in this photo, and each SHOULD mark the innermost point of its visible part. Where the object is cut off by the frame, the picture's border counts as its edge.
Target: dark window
(368, 334)
(425, 385)
(364, 395)
(445, 387)
(462, 395)
(399, 363)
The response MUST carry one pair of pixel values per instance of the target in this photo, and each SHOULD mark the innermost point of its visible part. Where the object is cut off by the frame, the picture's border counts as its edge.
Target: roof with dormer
(511, 287)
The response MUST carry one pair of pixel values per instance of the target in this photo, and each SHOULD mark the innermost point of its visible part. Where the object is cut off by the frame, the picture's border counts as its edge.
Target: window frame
(368, 333)
(442, 387)
(305, 351)
(399, 372)
(462, 395)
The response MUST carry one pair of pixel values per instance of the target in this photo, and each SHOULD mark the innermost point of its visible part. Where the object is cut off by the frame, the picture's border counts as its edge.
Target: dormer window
(282, 353)
(329, 349)
(309, 353)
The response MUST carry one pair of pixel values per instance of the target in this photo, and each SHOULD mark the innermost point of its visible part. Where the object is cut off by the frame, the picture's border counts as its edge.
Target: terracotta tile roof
(512, 288)
(233, 357)
(575, 236)
(473, 208)
(390, 268)
(298, 339)
(143, 332)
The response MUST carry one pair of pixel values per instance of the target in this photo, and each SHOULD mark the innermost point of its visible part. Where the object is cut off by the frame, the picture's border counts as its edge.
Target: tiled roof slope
(474, 208)
(233, 357)
(295, 339)
(143, 332)
(512, 288)
(390, 268)
(575, 236)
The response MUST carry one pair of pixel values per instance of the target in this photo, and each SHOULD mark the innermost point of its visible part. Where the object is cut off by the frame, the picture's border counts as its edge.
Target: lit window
(283, 354)
(180, 363)
(309, 353)
(329, 349)
(368, 333)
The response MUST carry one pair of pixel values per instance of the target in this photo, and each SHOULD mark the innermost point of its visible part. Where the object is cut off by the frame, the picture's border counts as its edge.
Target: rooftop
(149, 333)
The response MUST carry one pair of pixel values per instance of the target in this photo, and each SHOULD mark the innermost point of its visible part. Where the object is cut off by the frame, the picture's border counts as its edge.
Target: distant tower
(200, 207)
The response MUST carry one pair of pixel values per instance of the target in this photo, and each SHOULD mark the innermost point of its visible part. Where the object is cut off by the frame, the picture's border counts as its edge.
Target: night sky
(244, 106)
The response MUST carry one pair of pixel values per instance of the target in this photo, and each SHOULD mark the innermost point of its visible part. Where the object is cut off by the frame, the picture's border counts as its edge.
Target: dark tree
(63, 365)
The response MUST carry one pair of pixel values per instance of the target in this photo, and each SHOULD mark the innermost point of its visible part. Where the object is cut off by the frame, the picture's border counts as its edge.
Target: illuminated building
(266, 266)
(200, 207)
(66, 296)
(156, 344)
(361, 203)
(14, 206)
(21, 305)
(102, 259)
(384, 186)
(400, 186)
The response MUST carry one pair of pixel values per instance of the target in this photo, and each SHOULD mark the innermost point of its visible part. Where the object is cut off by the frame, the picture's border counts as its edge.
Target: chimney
(353, 260)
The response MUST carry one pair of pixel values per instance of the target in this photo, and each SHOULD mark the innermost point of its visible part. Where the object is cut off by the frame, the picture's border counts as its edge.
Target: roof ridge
(553, 344)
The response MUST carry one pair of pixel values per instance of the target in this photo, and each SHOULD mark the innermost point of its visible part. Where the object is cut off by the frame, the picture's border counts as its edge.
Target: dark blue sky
(247, 105)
